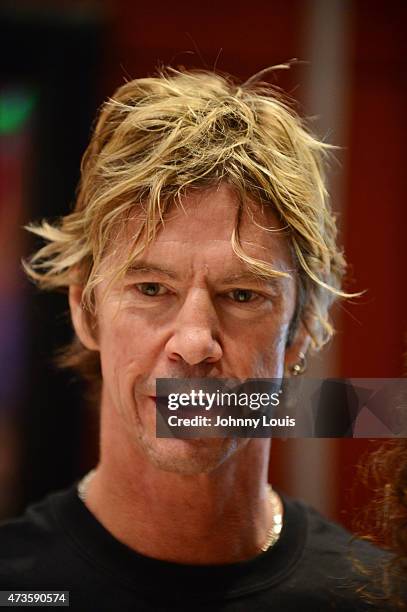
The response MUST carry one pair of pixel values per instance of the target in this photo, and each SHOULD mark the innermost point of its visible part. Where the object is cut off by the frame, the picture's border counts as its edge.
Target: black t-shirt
(59, 544)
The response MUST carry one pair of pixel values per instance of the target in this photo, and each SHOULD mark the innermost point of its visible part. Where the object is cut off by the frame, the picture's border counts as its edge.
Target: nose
(195, 336)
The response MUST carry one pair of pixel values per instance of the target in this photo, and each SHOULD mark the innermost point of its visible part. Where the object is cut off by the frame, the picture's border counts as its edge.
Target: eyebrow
(251, 277)
(146, 268)
(245, 276)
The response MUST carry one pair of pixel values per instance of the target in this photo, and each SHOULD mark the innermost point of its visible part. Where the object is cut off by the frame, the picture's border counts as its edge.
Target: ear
(297, 349)
(80, 318)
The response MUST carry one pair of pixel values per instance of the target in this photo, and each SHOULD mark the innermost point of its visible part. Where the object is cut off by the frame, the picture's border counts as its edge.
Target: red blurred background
(63, 59)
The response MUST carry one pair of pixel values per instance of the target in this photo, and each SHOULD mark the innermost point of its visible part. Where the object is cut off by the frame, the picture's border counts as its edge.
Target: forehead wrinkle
(207, 241)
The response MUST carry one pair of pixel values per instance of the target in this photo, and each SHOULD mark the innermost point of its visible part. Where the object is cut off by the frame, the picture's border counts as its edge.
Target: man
(201, 245)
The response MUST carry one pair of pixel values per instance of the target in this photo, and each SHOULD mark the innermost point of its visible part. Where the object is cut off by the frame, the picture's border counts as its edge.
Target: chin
(189, 457)
(180, 456)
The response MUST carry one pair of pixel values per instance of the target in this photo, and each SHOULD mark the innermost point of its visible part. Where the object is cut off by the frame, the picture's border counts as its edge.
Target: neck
(220, 516)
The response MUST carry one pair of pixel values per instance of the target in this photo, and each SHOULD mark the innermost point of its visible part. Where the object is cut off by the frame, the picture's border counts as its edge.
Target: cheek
(267, 352)
(122, 354)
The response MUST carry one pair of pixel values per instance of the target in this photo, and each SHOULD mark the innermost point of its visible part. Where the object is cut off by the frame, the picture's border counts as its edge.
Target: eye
(151, 289)
(243, 295)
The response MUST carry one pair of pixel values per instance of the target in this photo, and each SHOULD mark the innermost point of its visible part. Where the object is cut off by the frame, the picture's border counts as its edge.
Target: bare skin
(189, 308)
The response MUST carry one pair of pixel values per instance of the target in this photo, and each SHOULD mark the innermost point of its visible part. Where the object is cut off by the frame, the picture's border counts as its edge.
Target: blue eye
(243, 295)
(151, 289)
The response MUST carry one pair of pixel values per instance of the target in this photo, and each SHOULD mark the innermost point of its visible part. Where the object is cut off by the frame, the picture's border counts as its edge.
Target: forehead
(201, 231)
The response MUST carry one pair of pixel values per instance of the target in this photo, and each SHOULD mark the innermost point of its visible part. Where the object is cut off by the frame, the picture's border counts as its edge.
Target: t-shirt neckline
(138, 572)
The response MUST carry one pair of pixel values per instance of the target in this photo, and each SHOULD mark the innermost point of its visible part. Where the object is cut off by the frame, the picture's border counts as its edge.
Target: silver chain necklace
(273, 533)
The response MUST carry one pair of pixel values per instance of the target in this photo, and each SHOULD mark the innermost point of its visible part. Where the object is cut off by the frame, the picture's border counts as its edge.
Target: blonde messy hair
(160, 137)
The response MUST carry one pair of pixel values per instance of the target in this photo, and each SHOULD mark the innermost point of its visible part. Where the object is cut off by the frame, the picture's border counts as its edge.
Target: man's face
(189, 307)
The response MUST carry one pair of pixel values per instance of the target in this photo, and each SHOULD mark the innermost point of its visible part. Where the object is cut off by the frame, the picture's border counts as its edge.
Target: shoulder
(328, 539)
(337, 562)
(29, 544)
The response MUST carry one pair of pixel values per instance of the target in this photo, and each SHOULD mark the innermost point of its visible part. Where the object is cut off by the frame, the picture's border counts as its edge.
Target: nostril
(193, 347)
